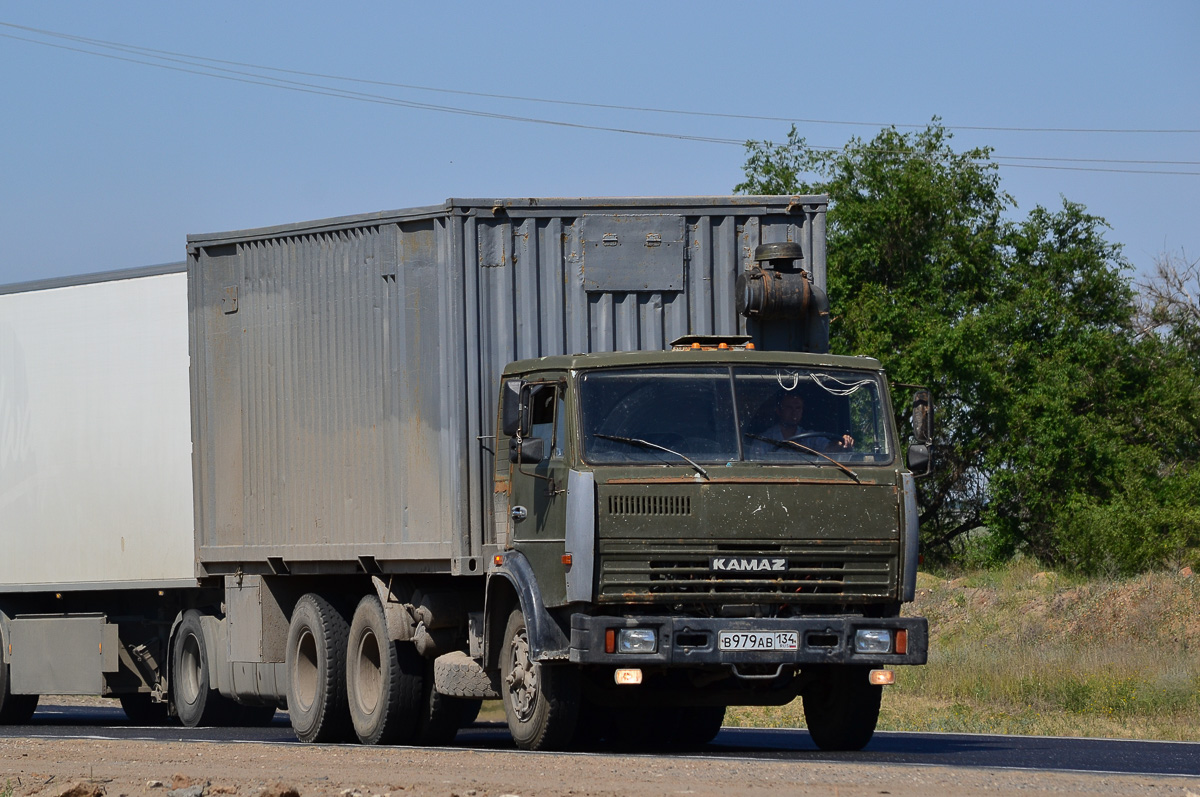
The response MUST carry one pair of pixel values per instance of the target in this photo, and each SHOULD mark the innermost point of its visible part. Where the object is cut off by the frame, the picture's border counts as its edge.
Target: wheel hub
(522, 681)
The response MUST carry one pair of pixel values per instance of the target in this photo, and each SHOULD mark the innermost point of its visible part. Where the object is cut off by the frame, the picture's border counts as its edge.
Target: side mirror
(919, 460)
(510, 407)
(922, 417)
(528, 451)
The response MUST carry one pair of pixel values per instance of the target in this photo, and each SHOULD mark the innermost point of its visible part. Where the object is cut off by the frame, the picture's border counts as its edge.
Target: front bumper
(689, 641)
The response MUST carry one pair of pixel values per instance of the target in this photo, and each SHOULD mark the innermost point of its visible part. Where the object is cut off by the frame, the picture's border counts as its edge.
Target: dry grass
(1020, 650)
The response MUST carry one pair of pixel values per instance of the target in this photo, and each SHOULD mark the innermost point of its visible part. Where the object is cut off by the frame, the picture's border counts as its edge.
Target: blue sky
(108, 164)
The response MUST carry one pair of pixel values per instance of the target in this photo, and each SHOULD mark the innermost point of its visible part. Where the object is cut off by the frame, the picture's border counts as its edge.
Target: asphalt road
(936, 749)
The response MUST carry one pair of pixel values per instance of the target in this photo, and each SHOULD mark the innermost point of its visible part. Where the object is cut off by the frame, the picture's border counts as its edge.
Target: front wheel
(541, 701)
(841, 708)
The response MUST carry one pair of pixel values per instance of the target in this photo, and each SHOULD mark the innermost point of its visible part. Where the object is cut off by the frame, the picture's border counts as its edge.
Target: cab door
(538, 499)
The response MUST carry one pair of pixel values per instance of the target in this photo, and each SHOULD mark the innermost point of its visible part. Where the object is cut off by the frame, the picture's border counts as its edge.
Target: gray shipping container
(345, 371)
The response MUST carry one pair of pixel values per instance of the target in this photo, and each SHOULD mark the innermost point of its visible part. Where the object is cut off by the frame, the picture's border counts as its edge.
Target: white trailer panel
(95, 434)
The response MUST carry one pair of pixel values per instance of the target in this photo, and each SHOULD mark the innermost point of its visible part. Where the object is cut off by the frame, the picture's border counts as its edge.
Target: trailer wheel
(14, 709)
(541, 701)
(383, 679)
(841, 708)
(316, 668)
(196, 702)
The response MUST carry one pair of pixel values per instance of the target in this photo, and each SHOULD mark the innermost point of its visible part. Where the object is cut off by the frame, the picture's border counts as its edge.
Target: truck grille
(650, 505)
(634, 571)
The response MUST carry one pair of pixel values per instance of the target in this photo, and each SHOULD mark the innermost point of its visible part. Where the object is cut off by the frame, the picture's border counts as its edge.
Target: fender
(169, 665)
(546, 639)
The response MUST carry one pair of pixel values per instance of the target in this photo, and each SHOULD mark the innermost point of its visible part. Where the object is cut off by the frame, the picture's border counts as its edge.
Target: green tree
(1169, 303)
(1056, 421)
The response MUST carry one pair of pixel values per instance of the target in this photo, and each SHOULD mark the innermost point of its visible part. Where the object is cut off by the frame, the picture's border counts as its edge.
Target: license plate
(758, 640)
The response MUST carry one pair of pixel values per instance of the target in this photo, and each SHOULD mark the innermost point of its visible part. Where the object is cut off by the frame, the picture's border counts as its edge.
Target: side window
(560, 421)
(542, 411)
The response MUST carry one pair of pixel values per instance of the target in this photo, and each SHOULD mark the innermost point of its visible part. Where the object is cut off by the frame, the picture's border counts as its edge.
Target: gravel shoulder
(90, 767)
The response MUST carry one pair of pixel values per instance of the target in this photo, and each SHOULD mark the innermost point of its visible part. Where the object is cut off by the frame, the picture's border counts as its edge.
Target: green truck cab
(702, 527)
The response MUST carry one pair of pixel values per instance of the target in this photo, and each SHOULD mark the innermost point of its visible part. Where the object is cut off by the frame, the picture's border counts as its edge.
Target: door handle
(519, 513)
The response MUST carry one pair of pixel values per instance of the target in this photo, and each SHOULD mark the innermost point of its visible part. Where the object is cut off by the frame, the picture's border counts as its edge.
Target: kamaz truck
(590, 457)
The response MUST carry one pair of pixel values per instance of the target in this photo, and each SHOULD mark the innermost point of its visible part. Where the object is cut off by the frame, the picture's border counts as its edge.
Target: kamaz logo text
(747, 564)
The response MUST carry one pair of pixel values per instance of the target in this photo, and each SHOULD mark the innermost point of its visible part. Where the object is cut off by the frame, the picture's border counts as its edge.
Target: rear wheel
(316, 668)
(14, 709)
(196, 702)
(841, 708)
(383, 679)
(541, 701)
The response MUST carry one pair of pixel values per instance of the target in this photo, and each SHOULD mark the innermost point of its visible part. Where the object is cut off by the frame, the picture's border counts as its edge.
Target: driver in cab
(789, 410)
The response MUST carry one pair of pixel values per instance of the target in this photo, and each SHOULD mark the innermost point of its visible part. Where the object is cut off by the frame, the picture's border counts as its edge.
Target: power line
(179, 62)
(310, 88)
(581, 104)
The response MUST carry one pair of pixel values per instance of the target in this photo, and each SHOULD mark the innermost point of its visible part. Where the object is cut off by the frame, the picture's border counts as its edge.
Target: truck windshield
(724, 414)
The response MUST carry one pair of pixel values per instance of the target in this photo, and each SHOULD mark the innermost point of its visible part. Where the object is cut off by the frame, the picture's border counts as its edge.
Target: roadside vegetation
(1023, 650)
(1066, 391)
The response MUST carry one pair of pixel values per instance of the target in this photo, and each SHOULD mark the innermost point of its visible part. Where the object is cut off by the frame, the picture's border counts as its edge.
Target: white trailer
(95, 483)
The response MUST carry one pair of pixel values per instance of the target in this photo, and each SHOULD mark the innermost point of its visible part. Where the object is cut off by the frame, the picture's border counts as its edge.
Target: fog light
(628, 677)
(637, 640)
(882, 677)
(873, 640)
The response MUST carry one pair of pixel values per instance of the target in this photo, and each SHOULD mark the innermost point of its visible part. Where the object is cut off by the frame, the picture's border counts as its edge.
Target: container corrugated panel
(95, 448)
(345, 371)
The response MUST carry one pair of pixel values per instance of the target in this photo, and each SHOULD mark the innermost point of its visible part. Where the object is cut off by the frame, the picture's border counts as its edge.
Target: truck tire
(196, 702)
(14, 709)
(841, 708)
(471, 707)
(443, 716)
(142, 710)
(383, 679)
(316, 669)
(541, 701)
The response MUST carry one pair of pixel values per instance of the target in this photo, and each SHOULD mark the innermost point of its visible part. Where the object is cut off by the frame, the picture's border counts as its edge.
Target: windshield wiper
(637, 441)
(794, 444)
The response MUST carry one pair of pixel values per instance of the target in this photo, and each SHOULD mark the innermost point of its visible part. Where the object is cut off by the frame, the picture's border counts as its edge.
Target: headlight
(873, 640)
(637, 640)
